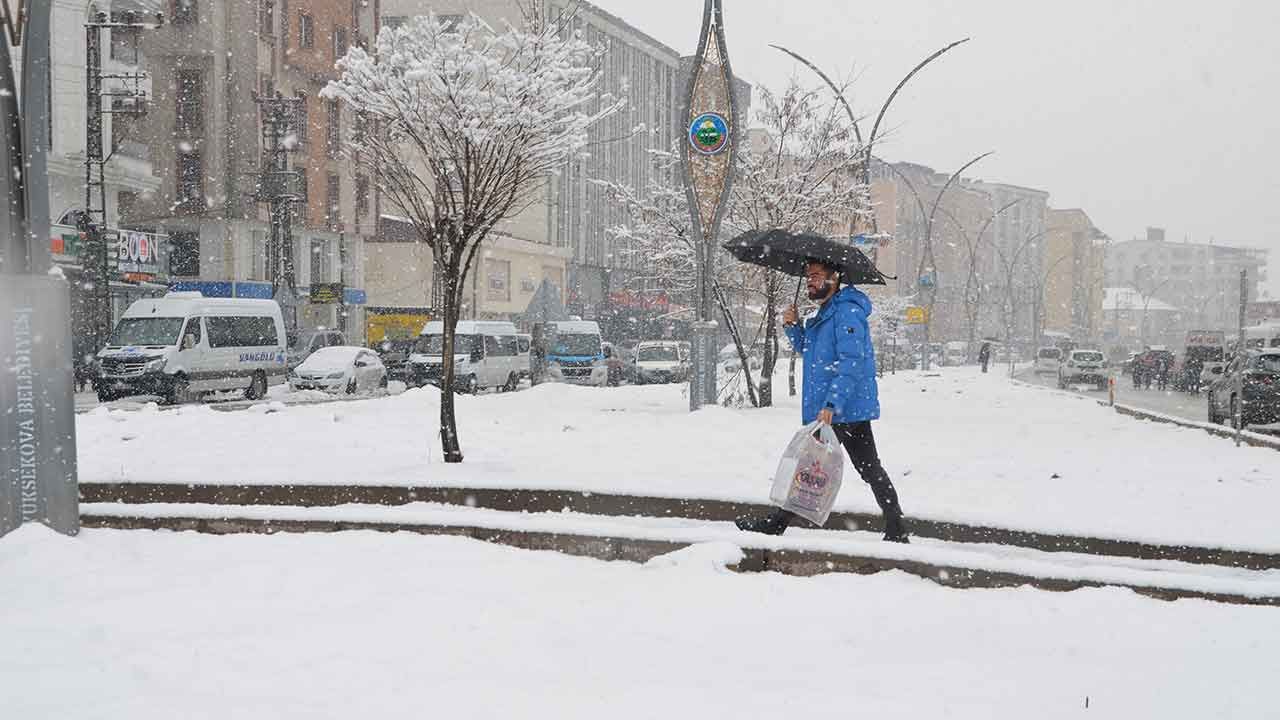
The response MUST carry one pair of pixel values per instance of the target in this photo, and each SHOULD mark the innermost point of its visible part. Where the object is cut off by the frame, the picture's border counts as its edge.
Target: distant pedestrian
(839, 389)
(984, 356)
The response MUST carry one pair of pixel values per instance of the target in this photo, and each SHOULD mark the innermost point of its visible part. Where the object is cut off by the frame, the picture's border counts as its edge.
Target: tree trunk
(448, 420)
(737, 341)
(770, 340)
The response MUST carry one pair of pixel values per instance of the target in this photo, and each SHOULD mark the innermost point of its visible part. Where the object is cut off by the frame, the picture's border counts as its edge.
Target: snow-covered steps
(613, 505)
(639, 539)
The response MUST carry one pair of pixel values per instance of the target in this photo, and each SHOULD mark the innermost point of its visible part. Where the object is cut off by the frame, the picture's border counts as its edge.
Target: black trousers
(860, 443)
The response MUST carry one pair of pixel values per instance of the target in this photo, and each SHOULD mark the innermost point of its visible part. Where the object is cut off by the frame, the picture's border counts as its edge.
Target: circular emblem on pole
(709, 134)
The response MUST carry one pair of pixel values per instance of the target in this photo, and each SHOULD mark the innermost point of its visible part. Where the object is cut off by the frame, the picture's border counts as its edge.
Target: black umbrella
(789, 252)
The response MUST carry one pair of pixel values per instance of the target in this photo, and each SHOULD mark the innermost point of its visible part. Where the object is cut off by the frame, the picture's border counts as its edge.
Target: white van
(485, 355)
(659, 362)
(575, 353)
(185, 344)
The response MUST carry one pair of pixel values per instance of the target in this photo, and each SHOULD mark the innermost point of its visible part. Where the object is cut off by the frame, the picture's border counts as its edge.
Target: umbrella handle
(799, 286)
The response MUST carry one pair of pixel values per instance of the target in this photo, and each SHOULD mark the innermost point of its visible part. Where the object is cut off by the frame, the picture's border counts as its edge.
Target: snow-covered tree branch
(465, 125)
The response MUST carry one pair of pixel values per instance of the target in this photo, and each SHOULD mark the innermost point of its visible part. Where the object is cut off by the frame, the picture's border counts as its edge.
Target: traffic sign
(917, 315)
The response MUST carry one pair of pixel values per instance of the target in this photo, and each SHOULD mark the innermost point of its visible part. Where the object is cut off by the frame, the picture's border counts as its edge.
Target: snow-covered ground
(144, 625)
(960, 446)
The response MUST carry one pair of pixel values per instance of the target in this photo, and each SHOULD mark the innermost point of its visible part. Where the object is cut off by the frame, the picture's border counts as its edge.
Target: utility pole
(1238, 420)
(281, 187)
(128, 100)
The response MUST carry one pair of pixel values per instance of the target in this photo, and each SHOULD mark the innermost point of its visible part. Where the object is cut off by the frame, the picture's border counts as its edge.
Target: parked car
(394, 354)
(183, 345)
(1084, 366)
(1004, 355)
(302, 345)
(1047, 360)
(956, 354)
(1250, 383)
(661, 362)
(485, 355)
(340, 369)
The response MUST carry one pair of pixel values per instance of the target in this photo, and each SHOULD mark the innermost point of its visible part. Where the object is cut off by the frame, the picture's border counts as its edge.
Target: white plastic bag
(809, 474)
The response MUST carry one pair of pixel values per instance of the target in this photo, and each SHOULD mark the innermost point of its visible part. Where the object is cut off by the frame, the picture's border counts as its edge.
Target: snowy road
(1166, 402)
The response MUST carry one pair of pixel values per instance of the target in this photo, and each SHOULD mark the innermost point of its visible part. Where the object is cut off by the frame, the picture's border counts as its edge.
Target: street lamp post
(708, 157)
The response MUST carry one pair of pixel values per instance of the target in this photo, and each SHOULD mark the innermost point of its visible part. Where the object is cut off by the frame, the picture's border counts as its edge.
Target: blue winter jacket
(839, 360)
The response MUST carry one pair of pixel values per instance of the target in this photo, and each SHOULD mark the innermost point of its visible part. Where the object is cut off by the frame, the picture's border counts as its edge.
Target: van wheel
(351, 387)
(178, 391)
(257, 387)
(513, 383)
(384, 382)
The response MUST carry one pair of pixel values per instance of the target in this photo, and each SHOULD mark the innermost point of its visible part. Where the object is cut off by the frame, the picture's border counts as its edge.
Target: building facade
(1074, 275)
(210, 63)
(1202, 278)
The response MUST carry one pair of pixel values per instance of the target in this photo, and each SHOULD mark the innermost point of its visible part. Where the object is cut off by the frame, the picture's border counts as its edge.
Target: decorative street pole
(711, 110)
(37, 406)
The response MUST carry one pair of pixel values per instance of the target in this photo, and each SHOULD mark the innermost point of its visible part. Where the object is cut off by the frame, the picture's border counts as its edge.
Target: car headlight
(156, 365)
(335, 376)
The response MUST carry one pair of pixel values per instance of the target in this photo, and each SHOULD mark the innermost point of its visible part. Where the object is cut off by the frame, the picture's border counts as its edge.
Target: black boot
(775, 523)
(895, 528)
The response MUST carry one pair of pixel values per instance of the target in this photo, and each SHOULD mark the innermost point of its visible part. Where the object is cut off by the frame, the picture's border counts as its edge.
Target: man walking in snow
(839, 388)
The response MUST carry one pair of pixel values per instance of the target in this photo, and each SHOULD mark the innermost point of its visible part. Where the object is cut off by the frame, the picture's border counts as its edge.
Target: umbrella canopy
(788, 252)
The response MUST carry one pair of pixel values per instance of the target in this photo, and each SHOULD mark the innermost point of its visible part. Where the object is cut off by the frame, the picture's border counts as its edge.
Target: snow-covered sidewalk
(145, 625)
(960, 446)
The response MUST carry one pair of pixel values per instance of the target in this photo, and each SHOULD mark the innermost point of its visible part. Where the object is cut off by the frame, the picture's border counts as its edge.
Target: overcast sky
(1141, 112)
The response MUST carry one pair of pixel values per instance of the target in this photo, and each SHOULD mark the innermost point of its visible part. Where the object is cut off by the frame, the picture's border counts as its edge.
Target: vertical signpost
(710, 110)
(1238, 420)
(37, 411)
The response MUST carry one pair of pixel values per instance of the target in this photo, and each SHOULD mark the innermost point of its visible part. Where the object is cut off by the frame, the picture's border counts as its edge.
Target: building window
(301, 120)
(362, 196)
(126, 202)
(499, 278)
(184, 253)
(306, 31)
(189, 115)
(259, 256)
(339, 43)
(189, 191)
(333, 127)
(394, 21)
(332, 203)
(184, 12)
(320, 261)
(267, 18)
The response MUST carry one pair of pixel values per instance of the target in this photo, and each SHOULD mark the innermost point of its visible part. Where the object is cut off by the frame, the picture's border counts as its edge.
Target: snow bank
(149, 625)
(959, 445)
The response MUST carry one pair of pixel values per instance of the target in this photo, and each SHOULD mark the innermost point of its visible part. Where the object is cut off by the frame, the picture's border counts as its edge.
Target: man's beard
(820, 293)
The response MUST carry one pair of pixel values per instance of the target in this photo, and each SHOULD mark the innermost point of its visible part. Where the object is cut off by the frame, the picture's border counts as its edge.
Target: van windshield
(462, 344)
(1089, 357)
(576, 345)
(658, 353)
(147, 331)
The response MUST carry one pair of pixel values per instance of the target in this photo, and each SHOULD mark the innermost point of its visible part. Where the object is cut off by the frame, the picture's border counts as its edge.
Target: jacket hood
(853, 296)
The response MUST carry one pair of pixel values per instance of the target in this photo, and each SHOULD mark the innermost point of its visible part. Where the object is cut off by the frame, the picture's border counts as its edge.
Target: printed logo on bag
(812, 478)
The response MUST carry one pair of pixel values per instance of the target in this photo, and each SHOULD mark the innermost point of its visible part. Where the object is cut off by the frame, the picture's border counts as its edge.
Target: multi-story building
(209, 63)
(1073, 288)
(1202, 278)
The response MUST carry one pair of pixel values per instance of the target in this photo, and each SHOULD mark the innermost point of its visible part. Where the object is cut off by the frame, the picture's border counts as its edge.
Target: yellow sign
(917, 315)
(395, 327)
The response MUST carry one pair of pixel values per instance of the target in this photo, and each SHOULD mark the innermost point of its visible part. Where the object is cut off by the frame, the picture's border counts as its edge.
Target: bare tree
(659, 237)
(1012, 263)
(466, 127)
